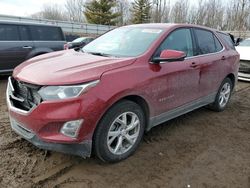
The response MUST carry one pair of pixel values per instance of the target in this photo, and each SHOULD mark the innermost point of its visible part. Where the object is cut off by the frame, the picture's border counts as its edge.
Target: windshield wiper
(100, 54)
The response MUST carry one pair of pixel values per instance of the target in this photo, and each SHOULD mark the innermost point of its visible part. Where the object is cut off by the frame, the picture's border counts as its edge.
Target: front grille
(244, 66)
(25, 96)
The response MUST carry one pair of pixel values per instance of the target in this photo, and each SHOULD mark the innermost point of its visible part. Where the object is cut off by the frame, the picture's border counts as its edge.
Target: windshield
(79, 39)
(123, 42)
(245, 43)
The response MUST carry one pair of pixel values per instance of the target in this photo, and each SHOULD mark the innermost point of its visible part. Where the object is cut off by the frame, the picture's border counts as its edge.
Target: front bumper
(82, 149)
(41, 125)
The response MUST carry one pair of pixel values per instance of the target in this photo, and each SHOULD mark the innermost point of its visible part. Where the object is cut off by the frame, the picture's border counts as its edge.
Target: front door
(176, 83)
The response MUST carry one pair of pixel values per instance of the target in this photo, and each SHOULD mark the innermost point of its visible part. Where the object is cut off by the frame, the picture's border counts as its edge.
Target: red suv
(105, 96)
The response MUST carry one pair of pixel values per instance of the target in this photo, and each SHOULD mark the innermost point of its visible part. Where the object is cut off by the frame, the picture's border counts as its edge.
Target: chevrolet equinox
(103, 98)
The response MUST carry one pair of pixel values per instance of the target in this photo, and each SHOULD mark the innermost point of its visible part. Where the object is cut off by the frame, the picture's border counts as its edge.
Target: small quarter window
(225, 37)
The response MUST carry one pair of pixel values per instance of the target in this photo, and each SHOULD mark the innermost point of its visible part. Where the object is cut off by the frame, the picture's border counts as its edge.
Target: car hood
(67, 67)
(244, 52)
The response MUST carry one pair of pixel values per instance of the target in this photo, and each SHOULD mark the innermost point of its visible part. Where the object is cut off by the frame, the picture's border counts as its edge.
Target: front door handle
(223, 58)
(27, 47)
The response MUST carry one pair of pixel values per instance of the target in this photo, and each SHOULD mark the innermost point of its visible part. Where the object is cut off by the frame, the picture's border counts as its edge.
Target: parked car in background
(104, 97)
(78, 43)
(244, 50)
(21, 41)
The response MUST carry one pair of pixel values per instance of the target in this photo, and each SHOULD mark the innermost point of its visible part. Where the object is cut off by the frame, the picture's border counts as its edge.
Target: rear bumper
(244, 76)
(82, 149)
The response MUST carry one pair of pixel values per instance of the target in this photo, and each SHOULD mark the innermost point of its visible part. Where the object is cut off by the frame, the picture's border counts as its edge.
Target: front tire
(119, 132)
(223, 96)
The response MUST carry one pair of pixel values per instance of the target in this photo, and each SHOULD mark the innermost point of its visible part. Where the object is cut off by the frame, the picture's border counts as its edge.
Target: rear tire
(119, 132)
(223, 96)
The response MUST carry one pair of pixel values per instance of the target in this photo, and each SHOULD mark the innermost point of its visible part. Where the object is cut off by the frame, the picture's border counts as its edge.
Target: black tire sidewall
(100, 136)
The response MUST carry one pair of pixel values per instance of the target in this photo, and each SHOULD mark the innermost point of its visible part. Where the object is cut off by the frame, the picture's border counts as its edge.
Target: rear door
(47, 38)
(15, 45)
(212, 56)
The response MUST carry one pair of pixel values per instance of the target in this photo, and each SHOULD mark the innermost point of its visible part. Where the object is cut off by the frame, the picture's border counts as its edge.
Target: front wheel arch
(97, 147)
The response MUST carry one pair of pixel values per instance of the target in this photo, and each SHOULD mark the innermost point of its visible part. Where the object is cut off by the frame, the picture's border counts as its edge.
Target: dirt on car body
(199, 149)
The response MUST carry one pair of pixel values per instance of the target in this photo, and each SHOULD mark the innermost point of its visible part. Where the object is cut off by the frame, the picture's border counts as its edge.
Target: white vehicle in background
(244, 50)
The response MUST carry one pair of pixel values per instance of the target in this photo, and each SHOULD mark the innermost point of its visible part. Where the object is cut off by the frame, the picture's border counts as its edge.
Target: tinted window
(8, 33)
(178, 40)
(24, 34)
(207, 42)
(41, 33)
(227, 39)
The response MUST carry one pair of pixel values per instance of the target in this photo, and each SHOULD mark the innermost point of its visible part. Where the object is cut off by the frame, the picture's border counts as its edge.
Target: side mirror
(238, 40)
(170, 56)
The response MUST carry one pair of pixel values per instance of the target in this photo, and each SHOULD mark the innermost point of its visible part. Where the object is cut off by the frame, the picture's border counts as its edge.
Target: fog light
(71, 128)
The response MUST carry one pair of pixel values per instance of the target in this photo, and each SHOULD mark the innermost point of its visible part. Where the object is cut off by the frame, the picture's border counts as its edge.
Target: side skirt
(181, 110)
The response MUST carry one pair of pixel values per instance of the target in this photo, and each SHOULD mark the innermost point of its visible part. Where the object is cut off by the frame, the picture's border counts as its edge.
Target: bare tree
(179, 12)
(237, 17)
(75, 10)
(124, 6)
(161, 11)
(51, 12)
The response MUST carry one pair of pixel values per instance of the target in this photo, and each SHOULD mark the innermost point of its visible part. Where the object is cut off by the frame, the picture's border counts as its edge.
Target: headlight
(64, 92)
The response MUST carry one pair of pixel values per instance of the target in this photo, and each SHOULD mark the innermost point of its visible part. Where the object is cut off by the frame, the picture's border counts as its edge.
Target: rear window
(227, 39)
(9, 32)
(43, 33)
(207, 42)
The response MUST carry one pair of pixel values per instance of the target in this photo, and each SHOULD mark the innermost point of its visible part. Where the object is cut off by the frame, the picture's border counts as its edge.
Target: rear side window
(207, 42)
(180, 40)
(9, 32)
(227, 39)
(43, 33)
(24, 33)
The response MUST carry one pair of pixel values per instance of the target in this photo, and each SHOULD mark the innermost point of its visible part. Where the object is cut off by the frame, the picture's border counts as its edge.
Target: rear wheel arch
(232, 78)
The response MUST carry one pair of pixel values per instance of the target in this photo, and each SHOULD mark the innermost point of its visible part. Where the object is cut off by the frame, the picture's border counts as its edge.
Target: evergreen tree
(101, 12)
(141, 11)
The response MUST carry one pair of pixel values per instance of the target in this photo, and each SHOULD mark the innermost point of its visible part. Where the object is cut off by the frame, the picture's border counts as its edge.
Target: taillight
(66, 46)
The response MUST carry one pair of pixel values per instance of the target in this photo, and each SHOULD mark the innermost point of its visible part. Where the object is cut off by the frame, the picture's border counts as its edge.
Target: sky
(25, 7)
(28, 7)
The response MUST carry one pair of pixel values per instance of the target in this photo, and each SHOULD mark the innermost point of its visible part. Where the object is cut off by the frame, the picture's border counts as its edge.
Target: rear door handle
(27, 47)
(193, 65)
(223, 58)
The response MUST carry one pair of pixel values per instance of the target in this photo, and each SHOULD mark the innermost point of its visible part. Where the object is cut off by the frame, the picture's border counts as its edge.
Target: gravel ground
(199, 149)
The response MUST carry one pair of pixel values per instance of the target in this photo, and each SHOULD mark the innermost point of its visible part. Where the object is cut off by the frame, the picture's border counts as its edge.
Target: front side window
(207, 42)
(9, 32)
(124, 42)
(180, 40)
